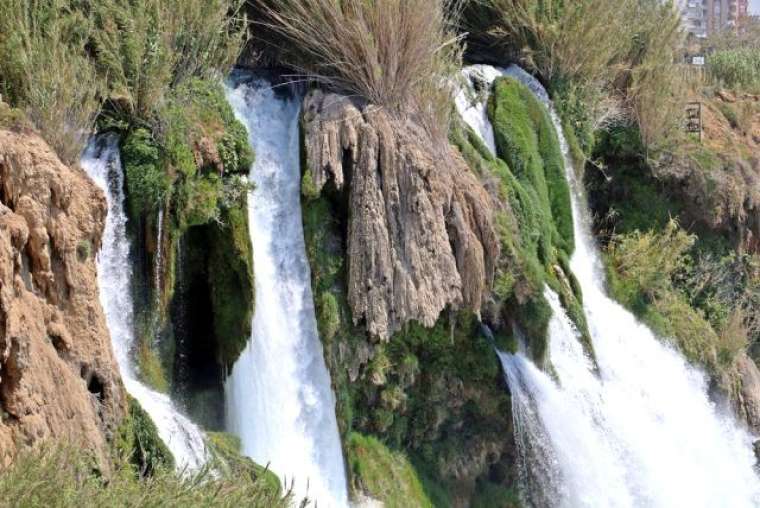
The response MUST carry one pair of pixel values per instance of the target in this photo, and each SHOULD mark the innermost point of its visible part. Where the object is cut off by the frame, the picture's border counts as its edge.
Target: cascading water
(101, 161)
(278, 397)
(641, 432)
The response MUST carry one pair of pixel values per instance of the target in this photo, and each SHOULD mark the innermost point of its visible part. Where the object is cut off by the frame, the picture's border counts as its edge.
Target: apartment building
(704, 17)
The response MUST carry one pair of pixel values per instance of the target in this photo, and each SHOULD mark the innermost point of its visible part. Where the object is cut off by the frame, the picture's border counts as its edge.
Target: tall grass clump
(45, 70)
(737, 68)
(145, 48)
(397, 54)
(67, 477)
(605, 61)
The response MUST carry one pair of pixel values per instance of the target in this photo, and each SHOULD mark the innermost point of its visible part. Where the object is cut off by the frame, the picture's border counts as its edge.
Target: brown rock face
(748, 400)
(58, 376)
(420, 232)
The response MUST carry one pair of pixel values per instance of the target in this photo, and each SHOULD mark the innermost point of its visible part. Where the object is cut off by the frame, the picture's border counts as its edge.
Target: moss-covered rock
(139, 443)
(230, 273)
(527, 142)
(187, 162)
(229, 462)
(384, 474)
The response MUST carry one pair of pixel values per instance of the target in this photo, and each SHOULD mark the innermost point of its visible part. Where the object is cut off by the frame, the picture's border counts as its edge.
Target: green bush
(148, 185)
(736, 68)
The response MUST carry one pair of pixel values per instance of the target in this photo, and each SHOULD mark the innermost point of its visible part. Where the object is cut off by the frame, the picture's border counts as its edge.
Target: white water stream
(278, 397)
(640, 433)
(101, 161)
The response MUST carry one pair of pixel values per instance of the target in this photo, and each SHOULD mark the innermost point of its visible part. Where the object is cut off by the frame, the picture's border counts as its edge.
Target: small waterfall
(159, 253)
(101, 161)
(641, 433)
(278, 397)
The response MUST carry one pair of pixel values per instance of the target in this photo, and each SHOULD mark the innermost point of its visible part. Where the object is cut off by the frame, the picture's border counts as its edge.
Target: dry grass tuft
(397, 54)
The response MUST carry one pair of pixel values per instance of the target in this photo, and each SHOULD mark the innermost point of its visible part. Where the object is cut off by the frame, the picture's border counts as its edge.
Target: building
(704, 17)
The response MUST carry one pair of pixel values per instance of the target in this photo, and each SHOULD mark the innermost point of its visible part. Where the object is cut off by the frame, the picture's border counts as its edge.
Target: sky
(754, 6)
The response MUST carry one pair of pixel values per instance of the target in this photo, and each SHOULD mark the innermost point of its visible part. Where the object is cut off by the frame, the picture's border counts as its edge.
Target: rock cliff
(420, 232)
(58, 376)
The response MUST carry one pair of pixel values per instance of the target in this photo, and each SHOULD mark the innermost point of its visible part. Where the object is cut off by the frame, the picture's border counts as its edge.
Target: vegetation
(146, 48)
(604, 61)
(399, 402)
(45, 70)
(69, 478)
(396, 54)
(737, 68)
(383, 474)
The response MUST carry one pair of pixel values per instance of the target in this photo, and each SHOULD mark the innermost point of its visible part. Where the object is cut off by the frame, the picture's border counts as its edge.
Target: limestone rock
(58, 376)
(421, 233)
(749, 392)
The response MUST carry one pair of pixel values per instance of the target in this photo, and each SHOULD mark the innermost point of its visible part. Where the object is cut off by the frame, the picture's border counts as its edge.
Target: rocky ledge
(58, 376)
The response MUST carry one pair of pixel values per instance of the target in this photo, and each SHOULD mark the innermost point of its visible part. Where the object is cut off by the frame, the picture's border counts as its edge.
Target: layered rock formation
(748, 397)
(58, 375)
(420, 231)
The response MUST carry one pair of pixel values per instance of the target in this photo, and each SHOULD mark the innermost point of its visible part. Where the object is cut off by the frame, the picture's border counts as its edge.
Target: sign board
(698, 60)
(694, 118)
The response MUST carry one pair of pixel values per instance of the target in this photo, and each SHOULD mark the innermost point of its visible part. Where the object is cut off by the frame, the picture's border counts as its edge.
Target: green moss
(384, 474)
(230, 275)
(308, 189)
(526, 140)
(226, 457)
(329, 316)
(150, 368)
(138, 442)
(493, 495)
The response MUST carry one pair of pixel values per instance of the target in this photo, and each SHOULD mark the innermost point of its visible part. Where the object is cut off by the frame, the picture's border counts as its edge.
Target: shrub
(396, 54)
(45, 70)
(735, 68)
(614, 57)
(148, 185)
(147, 47)
(652, 259)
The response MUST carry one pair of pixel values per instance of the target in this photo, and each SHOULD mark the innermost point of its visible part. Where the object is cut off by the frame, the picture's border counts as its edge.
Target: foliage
(650, 260)
(384, 474)
(70, 478)
(607, 60)
(226, 457)
(45, 70)
(737, 68)
(145, 48)
(147, 184)
(654, 274)
(139, 443)
(396, 54)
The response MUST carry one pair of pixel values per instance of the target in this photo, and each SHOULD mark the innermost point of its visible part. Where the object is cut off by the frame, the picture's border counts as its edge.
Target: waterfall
(278, 396)
(102, 163)
(159, 252)
(641, 432)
